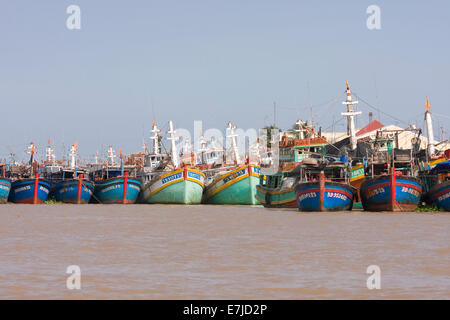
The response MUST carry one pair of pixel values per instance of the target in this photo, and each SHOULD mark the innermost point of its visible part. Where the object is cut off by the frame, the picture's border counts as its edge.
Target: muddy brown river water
(220, 252)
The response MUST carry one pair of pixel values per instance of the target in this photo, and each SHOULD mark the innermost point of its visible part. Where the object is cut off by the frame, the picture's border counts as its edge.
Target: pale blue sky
(213, 61)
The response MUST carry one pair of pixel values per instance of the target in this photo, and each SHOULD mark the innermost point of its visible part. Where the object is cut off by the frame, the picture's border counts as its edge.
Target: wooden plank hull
(5, 188)
(271, 198)
(111, 191)
(22, 191)
(235, 187)
(182, 186)
(391, 193)
(439, 194)
(67, 191)
(331, 196)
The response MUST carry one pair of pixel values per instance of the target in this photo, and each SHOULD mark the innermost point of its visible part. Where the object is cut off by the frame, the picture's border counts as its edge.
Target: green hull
(241, 192)
(276, 198)
(182, 192)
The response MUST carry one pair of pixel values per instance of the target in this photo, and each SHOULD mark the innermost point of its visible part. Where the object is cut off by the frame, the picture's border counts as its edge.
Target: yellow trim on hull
(231, 182)
(262, 190)
(273, 202)
(226, 185)
(174, 181)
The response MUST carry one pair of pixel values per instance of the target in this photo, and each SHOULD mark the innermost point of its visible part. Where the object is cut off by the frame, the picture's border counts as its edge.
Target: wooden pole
(36, 186)
(321, 191)
(80, 186)
(125, 181)
(392, 185)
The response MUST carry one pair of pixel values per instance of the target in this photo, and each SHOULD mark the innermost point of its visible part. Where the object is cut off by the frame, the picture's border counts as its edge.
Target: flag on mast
(31, 152)
(427, 104)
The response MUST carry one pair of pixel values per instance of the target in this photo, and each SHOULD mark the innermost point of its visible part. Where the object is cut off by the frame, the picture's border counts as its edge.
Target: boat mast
(111, 156)
(173, 139)
(429, 124)
(351, 131)
(300, 129)
(31, 152)
(155, 137)
(234, 147)
(73, 154)
(50, 153)
(203, 149)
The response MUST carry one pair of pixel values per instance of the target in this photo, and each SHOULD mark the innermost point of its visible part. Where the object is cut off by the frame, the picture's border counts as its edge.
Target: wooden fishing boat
(114, 184)
(236, 186)
(175, 183)
(232, 183)
(117, 190)
(392, 192)
(390, 184)
(5, 185)
(32, 190)
(181, 186)
(439, 193)
(277, 190)
(75, 190)
(29, 187)
(434, 171)
(326, 192)
(69, 184)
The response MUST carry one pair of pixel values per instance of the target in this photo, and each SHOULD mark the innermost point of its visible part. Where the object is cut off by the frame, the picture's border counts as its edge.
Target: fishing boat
(437, 185)
(5, 185)
(297, 149)
(150, 162)
(32, 191)
(181, 186)
(327, 189)
(69, 184)
(394, 192)
(439, 194)
(233, 184)
(113, 183)
(176, 184)
(73, 190)
(30, 188)
(435, 172)
(390, 184)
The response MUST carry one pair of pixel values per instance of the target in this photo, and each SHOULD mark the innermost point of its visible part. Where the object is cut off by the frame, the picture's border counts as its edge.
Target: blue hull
(111, 190)
(334, 196)
(67, 191)
(5, 187)
(440, 195)
(22, 191)
(377, 193)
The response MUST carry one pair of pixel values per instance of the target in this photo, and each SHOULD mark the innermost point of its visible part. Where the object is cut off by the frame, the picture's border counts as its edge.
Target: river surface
(220, 252)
